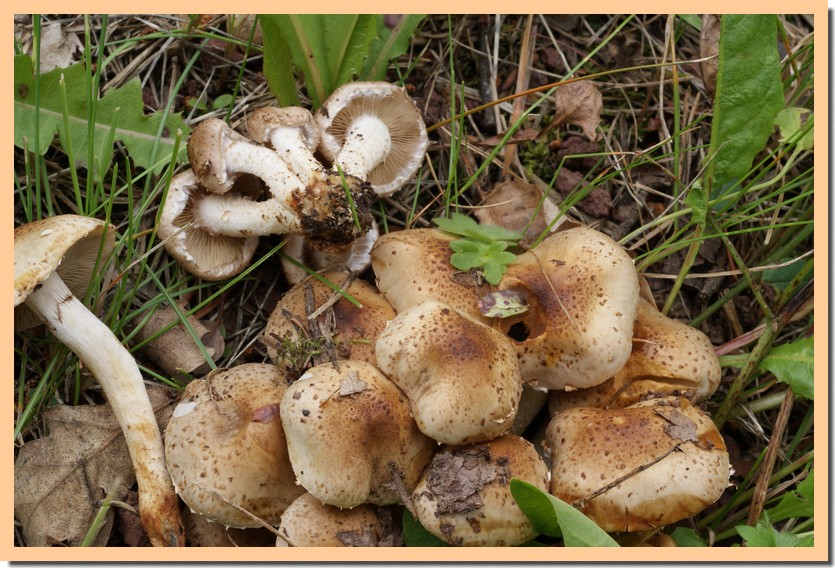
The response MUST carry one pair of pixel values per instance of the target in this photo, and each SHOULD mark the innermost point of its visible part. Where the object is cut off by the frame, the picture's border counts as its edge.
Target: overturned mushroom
(351, 436)
(464, 498)
(637, 468)
(309, 522)
(374, 131)
(225, 444)
(581, 290)
(668, 357)
(53, 261)
(461, 376)
(324, 209)
(341, 330)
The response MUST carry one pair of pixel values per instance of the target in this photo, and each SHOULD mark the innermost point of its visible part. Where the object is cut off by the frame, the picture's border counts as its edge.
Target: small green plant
(483, 247)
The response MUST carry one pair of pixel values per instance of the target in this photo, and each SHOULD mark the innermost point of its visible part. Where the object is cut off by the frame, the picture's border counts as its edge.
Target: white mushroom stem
(234, 216)
(120, 379)
(367, 144)
(289, 143)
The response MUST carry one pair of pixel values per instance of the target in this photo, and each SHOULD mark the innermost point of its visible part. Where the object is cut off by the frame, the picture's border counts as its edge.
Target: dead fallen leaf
(680, 427)
(60, 478)
(709, 47)
(57, 48)
(579, 104)
(512, 204)
(351, 384)
(456, 477)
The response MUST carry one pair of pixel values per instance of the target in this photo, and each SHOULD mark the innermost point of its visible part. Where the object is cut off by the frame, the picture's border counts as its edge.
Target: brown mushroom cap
(66, 244)
(396, 109)
(263, 121)
(225, 438)
(202, 532)
(637, 468)
(413, 266)
(464, 498)
(354, 330)
(309, 522)
(461, 376)
(349, 432)
(668, 357)
(581, 290)
(204, 254)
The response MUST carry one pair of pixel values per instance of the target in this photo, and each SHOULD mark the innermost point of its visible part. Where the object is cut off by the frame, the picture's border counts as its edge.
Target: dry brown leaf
(351, 384)
(579, 104)
(58, 49)
(60, 478)
(680, 426)
(456, 476)
(709, 47)
(512, 204)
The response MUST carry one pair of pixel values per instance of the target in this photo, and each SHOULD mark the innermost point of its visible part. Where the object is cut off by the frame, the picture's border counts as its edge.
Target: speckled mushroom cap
(309, 522)
(349, 431)
(582, 294)
(225, 438)
(597, 456)
(204, 254)
(354, 330)
(464, 498)
(461, 376)
(390, 104)
(67, 244)
(413, 266)
(262, 121)
(668, 358)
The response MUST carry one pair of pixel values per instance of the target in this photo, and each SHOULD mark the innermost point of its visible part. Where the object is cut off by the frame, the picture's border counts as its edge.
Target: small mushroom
(581, 289)
(317, 255)
(351, 436)
(464, 498)
(204, 533)
(323, 209)
(53, 261)
(374, 131)
(406, 283)
(309, 522)
(461, 376)
(295, 342)
(637, 468)
(668, 358)
(201, 252)
(225, 444)
(292, 133)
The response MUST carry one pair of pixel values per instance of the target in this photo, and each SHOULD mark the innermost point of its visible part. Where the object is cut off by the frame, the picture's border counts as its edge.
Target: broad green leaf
(797, 504)
(749, 94)
(389, 44)
(490, 258)
(694, 20)
(465, 226)
(763, 534)
(302, 33)
(791, 122)
(348, 38)
(793, 364)
(415, 534)
(781, 277)
(149, 139)
(543, 510)
(697, 200)
(278, 63)
(685, 536)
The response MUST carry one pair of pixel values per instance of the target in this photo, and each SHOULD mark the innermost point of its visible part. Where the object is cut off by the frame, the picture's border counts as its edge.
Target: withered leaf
(60, 478)
(455, 478)
(502, 304)
(680, 426)
(579, 104)
(351, 384)
(709, 47)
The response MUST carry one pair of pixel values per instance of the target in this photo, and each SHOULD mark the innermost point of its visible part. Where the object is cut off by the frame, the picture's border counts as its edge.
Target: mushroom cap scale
(461, 377)
(349, 431)
(581, 289)
(464, 498)
(225, 437)
(66, 244)
(637, 468)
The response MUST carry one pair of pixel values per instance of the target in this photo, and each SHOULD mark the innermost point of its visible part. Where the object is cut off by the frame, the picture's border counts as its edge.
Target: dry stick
(522, 82)
(400, 487)
(767, 466)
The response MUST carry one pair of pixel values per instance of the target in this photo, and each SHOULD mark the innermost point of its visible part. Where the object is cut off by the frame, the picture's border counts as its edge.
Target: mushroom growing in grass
(200, 251)
(461, 377)
(53, 261)
(325, 209)
(340, 330)
(637, 468)
(309, 522)
(226, 448)
(293, 134)
(464, 498)
(581, 290)
(374, 131)
(668, 358)
(351, 436)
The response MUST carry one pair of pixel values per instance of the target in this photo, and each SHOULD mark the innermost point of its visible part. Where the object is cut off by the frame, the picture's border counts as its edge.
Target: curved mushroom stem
(367, 144)
(120, 379)
(289, 143)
